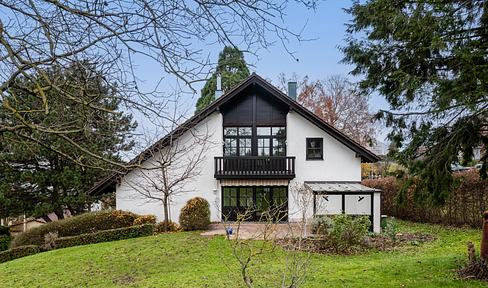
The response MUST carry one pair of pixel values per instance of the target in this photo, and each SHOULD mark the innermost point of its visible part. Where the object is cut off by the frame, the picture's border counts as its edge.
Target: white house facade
(259, 145)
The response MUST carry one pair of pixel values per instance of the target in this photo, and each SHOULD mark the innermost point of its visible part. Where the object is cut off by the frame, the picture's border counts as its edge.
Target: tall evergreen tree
(429, 59)
(36, 180)
(233, 70)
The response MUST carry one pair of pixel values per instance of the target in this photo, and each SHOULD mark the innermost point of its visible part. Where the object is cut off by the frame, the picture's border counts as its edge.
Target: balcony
(254, 167)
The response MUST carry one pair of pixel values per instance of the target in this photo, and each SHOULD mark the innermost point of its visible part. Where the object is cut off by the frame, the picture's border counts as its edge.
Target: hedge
(464, 206)
(83, 224)
(18, 252)
(105, 236)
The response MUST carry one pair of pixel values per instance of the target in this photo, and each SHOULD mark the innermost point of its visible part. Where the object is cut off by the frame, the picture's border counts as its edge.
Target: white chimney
(218, 92)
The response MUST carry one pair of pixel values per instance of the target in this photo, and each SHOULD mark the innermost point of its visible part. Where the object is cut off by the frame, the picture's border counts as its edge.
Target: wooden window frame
(321, 149)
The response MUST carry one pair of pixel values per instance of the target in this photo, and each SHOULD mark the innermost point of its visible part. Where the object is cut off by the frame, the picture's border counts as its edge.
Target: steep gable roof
(253, 79)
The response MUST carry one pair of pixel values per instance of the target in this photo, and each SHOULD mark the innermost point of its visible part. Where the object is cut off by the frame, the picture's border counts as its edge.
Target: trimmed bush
(4, 242)
(18, 252)
(104, 236)
(172, 227)
(82, 224)
(195, 215)
(146, 219)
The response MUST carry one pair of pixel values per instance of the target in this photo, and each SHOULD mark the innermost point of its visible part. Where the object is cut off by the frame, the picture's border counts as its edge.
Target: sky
(318, 58)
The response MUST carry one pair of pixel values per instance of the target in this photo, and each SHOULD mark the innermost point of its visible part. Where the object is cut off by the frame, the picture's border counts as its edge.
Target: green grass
(190, 260)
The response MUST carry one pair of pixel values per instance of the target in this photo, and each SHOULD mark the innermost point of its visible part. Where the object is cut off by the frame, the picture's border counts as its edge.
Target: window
(268, 141)
(315, 148)
(271, 141)
(237, 141)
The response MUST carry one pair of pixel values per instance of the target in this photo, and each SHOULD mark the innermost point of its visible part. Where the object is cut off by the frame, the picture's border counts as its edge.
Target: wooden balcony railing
(255, 167)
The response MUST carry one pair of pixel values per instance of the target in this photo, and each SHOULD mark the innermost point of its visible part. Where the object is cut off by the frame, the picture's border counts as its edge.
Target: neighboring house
(378, 148)
(19, 225)
(263, 144)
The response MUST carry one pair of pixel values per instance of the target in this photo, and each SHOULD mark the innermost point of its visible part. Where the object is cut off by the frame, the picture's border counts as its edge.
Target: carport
(352, 198)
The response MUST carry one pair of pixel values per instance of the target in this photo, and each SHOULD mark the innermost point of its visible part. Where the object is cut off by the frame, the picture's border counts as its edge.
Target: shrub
(345, 232)
(172, 227)
(146, 219)
(4, 242)
(4, 230)
(321, 223)
(49, 239)
(392, 229)
(195, 215)
(82, 224)
(18, 252)
(105, 236)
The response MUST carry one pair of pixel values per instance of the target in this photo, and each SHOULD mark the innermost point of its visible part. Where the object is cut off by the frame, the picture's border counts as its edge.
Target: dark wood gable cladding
(254, 105)
(255, 155)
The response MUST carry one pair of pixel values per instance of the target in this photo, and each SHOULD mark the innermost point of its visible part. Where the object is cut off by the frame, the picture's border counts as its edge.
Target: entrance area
(255, 203)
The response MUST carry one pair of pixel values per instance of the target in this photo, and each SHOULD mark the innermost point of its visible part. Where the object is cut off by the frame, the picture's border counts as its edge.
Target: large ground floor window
(255, 203)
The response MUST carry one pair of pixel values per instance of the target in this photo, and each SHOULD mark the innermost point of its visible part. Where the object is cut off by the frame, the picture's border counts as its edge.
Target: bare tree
(256, 248)
(178, 162)
(335, 101)
(303, 200)
(117, 35)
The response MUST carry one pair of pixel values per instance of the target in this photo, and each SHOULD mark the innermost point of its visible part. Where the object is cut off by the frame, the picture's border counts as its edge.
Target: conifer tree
(232, 68)
(36, 180)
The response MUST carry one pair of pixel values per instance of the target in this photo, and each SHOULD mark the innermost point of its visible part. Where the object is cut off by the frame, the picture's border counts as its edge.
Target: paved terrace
(257, 230)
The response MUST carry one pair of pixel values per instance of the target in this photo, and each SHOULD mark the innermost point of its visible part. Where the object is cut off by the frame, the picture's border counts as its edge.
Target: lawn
(189, 260)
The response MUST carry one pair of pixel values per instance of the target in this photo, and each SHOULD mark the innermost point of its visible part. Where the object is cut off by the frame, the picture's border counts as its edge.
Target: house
(22, 224)
(261, 144)
(379, 148)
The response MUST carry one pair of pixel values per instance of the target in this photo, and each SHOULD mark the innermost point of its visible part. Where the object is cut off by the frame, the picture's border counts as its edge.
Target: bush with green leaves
(195, 215)
(345, 232)
(105, 236)
(72, 226)
(4, 230)
(392, 229)
(4, 242)
(321, 223)
(18, 252)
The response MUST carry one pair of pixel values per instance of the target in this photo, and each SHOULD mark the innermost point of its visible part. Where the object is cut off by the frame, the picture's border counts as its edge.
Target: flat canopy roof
(338, 186)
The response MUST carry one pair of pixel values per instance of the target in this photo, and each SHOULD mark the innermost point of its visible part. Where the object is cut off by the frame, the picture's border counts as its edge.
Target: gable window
(271, 141)
(267, 141)
(237, 141)
(315, 148)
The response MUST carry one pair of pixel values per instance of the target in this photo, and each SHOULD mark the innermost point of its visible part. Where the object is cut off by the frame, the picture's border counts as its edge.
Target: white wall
(339, 162)
(201, 186)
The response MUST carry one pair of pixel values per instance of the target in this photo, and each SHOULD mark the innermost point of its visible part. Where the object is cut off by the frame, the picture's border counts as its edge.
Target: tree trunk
(59, 214)
(165, 207)
(484, 238)
(47, 219)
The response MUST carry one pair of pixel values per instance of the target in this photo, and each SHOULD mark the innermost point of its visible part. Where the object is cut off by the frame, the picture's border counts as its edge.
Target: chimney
(292, 90)
(218, 92)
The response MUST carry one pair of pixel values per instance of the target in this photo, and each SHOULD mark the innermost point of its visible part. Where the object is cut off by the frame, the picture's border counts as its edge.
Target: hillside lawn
(187, 259)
